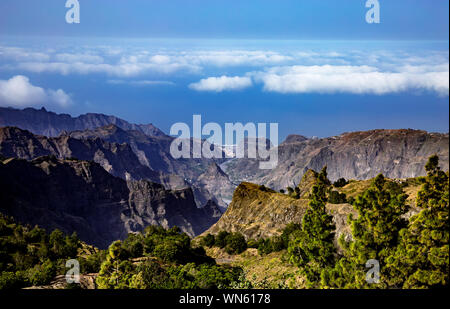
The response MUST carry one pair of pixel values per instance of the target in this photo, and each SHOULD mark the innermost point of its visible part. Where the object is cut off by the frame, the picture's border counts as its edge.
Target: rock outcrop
(357, 155)
(75, 195)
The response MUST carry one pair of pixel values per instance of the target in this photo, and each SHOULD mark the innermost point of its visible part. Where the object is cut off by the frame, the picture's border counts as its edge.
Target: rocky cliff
(108, 147)
(357, 155)
(257, 211)
(75, 195)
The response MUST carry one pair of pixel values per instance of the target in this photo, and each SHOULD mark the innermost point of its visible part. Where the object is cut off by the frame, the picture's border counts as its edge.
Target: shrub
(208, 240)
(235, 243)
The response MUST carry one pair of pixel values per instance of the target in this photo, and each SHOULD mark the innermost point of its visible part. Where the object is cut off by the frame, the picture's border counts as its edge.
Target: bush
(235, 243)
(340, 183)
(337, 198)
(208, 241)
(221, 239)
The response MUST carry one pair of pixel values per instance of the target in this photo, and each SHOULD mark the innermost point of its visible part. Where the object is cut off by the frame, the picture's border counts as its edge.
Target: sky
(315, 67)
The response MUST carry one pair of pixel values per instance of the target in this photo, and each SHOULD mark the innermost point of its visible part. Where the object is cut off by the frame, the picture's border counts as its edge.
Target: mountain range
(75, 195)
(104, 177)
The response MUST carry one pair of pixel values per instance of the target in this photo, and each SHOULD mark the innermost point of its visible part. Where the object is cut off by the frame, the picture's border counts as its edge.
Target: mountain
(202, 174)
(43, 122)
(117, 159)
(75, 195)
(357, 155)
(259, 212)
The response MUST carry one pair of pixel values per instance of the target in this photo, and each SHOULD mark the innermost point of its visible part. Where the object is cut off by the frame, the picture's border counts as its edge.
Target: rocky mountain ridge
(75, 195)
(356, 155)
(43, 122)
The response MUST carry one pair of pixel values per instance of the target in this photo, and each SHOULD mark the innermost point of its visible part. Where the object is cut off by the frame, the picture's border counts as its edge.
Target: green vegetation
(29, 256)
(412, 252)
(233, 243)
(164, 259)
(421, 258)
(340, 183)
(312, 248)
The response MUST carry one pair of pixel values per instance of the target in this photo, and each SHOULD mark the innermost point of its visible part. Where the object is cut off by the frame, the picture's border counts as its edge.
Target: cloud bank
(293, 70)
(219, 84)
(19, 92)
(353, 79)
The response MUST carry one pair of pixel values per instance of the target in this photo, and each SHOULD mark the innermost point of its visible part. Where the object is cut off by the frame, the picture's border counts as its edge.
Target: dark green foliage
(28, 256)
(334, 197)
(287, 232)
(92, 262)
(235, 243)
(341, 182)
(375, 236)
(422, 256)
(208, 240)
(277, 243)
(172, 263)
(221, 239)
(252, 243)
(312, 248)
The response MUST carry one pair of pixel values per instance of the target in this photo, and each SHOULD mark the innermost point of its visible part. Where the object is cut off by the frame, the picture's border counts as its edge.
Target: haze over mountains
(96, 164)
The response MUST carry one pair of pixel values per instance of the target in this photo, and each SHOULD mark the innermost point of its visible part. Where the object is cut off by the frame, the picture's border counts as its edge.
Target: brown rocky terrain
(259, 212)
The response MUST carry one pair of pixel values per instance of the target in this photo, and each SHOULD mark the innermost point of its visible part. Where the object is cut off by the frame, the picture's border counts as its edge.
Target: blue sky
(315, 67)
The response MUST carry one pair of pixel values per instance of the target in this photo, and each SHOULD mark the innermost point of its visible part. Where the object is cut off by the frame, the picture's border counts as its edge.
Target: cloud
(141, 82)
(354, 79)
(222, 58)
(19, 92)
(219, 84)
(73, 58)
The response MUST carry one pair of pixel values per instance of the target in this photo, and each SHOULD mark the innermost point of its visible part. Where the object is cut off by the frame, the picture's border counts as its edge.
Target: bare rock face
(260, 213)
(43, 122)
(357, 155)
(75, 195)
(108, 147)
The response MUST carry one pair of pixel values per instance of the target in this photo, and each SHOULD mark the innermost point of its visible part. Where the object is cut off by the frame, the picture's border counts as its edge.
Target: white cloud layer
(293, 70)
(219, 84)
(141, 82)
(19, 92)
(354, 79)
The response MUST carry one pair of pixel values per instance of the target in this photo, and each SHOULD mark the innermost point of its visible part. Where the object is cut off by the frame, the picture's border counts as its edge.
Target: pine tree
(375, 235)
(116, 271)
(422, 257)
(312, 247)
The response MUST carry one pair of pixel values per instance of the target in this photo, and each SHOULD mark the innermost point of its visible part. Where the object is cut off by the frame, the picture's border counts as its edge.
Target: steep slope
(47, 123)
(81, 196)
(117, 159)
(203, 174)
(257, 211)
(357, 155)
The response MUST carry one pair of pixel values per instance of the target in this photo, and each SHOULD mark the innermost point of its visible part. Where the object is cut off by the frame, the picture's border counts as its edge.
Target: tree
(312, 247)
(221, 239)
(208, 240)
(335, 197)
(422, 257)
(340, 183)
(235, 243)
(115, 273)
(375, 235)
